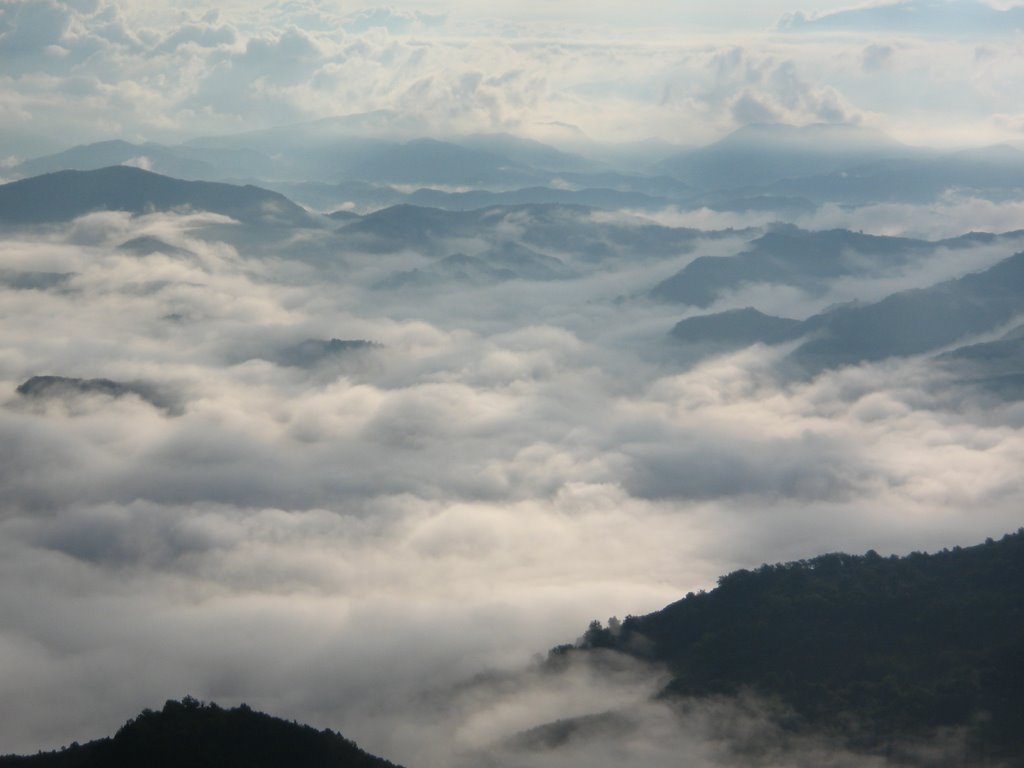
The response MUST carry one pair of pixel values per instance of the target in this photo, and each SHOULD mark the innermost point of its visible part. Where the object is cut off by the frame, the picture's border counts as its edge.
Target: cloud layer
(330, 541)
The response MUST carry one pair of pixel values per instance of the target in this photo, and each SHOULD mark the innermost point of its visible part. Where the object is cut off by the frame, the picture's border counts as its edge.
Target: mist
(502, 465)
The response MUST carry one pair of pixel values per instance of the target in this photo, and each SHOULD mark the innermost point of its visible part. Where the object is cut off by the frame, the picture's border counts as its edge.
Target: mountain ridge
(203, 735)
(65, 195)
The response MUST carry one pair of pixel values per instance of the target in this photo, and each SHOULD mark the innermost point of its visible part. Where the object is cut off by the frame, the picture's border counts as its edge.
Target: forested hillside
(189, 734)
(878, 649)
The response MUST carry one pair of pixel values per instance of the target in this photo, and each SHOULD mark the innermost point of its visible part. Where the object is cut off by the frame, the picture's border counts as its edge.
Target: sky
(76, 71)
(373, 545)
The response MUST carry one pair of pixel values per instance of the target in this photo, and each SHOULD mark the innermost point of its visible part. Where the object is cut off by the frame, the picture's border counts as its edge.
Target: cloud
(137, 74)
(394, 20)
(334, 543)
(31, 27)
(877, 57)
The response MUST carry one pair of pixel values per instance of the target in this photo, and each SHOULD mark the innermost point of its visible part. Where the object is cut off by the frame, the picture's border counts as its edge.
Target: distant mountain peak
(948, 17)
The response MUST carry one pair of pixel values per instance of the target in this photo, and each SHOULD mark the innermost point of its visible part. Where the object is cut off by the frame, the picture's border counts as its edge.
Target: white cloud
(513, 462)
(150, 73)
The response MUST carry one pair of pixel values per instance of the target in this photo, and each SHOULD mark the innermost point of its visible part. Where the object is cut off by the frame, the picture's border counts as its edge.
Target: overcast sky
(687, 72)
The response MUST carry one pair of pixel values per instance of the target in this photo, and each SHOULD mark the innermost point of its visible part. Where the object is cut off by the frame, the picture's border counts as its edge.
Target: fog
(336, 542)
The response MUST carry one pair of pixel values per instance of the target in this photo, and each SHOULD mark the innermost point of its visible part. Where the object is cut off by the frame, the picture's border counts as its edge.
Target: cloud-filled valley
(352, 357)
(504, 461)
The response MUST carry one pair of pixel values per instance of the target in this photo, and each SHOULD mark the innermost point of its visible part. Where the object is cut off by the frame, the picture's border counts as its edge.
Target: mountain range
(905, 323)
(331, 163)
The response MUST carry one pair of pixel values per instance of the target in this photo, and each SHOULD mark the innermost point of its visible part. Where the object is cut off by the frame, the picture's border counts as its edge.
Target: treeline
(877, 649)
(191, 734)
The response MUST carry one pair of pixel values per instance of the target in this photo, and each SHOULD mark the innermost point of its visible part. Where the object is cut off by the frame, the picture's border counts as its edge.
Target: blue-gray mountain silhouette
(550, 229)
(65, 195)
(995, 173)
(734, 329)
(311, 352)
(34, 281)
(506, 261)
(956, 18)
(428, 161)
(765, 153)
(997, 366)
(62, 387)
(795, 257)
(181, 161)
(906, 323)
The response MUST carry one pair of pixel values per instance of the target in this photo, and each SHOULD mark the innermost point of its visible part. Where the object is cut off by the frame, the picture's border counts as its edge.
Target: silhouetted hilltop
(733, 328)
(189, 734)
(63, 387)
(65, 195)
(877, 649)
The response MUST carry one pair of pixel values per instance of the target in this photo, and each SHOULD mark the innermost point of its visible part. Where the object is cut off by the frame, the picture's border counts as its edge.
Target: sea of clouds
(334, 541)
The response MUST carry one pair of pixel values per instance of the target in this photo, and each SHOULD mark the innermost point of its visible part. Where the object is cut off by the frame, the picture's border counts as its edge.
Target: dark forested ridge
(877, 649)
(189, 733)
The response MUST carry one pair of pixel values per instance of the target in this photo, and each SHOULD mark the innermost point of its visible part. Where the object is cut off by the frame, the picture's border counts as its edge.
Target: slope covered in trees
(877, 649)
(188, 733)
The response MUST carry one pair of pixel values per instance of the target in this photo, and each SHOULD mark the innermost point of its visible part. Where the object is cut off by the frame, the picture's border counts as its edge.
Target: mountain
(505, 261)
(66, 195)
(555, 230)
(995, 172)
(384, 146)
(609, 191)
(182, 162)
(997, 366)
(408, 226)
(65, 388)
(956, 18)
(189, 734)
(527, 152)
(314, 151)
(765, 153)
(905, 323)
(809, 260)
(34, 281)
(312, 352)
(734, 328)
(428, 161)
(608, 199)
(878, 650)
(916, 321)
(91, 157)
(381, 125)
